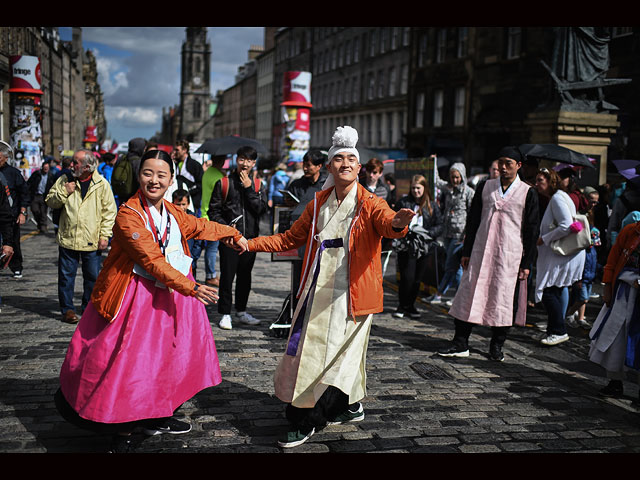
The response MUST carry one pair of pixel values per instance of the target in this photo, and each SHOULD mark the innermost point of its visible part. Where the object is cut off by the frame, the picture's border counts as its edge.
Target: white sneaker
(434, 300)
(572, 320)
(225, 322)
(448, 303)
(247, 319)
(554, 339)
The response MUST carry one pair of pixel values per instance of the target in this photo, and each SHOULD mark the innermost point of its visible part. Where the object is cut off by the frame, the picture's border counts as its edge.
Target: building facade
(68, 83)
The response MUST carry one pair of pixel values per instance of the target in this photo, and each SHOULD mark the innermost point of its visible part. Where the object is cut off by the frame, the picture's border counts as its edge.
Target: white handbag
(574, 242)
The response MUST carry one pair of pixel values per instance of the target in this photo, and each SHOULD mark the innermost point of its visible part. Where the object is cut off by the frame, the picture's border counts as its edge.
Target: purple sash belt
(296, 331)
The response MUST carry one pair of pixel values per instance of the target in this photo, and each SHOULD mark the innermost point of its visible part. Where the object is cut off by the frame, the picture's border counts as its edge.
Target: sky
(139, 70)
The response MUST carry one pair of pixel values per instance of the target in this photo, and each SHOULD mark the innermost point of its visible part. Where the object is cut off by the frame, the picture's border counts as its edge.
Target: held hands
(207, 294)
(241, 245)
(402, 218)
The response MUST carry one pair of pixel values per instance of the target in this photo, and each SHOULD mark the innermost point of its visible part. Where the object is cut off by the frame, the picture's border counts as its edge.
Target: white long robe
(332, 347)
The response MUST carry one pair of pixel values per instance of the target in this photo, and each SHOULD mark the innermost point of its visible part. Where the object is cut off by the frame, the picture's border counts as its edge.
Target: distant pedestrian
(188, 174)
(40, 182)
(11, 180)
(498, 248)
(88, 212)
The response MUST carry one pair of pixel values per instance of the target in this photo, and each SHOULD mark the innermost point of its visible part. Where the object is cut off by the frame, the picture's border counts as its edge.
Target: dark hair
(390, 178)
(183, 143)
(179, 194)
(317, 157)
(160, 155)
(247, 152)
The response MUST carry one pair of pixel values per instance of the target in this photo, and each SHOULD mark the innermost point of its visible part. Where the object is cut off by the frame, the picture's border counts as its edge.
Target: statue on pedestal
(579, 65)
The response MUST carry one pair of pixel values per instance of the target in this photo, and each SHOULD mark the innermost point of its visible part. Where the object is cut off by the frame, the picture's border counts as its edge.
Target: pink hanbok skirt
(157, 353)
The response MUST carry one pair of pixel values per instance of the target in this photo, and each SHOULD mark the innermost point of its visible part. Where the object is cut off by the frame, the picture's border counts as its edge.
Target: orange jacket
(626, 242)
(371, 222)
(133, 243)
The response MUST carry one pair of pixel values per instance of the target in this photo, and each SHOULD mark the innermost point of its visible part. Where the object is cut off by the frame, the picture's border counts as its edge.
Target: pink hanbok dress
(157, 353)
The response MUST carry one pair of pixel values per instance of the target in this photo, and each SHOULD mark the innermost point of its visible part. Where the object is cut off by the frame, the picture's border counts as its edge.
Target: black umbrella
(555, 153)
(229, 145)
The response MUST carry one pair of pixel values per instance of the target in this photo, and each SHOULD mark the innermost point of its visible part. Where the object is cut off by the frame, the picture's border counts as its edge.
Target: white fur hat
(344, 140)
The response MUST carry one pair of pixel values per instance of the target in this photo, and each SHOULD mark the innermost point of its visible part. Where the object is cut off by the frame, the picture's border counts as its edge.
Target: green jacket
(209, 178)
(83, 221)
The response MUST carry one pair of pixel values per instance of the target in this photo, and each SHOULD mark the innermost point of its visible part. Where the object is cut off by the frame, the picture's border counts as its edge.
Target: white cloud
(133, 116)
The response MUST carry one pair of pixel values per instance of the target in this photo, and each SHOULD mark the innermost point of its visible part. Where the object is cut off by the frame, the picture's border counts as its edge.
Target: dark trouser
(15, 265)
(238, 267)
(39, 209)
(70, 415)
(67, 268)
(555, 301)
(411, 273)
(463, 331)
(331, 404)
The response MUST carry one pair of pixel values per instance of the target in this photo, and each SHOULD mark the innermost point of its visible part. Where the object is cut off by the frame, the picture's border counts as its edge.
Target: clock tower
(195, 92)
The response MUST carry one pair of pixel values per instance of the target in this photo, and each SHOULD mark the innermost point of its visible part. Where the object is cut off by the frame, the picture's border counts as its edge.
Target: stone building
(68, 86)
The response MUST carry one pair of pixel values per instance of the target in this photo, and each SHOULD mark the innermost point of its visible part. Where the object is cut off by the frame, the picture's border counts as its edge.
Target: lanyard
(154, 230)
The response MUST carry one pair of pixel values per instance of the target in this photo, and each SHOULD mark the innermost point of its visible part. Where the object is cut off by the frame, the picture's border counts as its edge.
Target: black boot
(613, 389)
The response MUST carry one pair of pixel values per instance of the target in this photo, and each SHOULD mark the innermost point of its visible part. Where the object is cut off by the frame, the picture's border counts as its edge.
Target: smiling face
(344, 167)
(155, 178)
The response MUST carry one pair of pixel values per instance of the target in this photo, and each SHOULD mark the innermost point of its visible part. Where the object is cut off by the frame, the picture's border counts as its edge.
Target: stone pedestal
(584, 132)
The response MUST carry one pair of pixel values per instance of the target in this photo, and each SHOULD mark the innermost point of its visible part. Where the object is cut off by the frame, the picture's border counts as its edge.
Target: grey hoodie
(456, 203)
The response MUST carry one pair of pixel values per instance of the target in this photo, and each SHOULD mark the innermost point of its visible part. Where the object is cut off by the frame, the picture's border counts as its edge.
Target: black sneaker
(349, 416)
(613, 389)
(171, 426)
(495, 353)
(121, 444)
(294, 438)
(413, 313)
(454, 351)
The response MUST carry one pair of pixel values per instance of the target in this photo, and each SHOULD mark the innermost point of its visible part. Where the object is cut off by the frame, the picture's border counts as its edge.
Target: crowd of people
(154, 213)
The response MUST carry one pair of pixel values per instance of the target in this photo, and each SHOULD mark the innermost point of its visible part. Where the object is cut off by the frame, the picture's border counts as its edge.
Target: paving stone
(539, 400)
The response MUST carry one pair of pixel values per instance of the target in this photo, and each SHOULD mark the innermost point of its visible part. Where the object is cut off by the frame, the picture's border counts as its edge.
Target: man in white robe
(322, 374)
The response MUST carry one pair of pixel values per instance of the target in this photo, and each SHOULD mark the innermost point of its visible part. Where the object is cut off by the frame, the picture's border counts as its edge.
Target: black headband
(511, 152)
(158, 154)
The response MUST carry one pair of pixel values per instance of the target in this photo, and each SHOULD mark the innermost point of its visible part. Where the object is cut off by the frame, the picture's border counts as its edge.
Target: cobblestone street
(540, 399)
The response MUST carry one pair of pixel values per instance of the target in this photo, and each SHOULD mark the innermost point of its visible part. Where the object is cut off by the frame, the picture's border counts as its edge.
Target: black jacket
(195, 187)
(240, 201)
(6, 220)
(304, 190)
(34, 180)
(18, 188)
(433, 224)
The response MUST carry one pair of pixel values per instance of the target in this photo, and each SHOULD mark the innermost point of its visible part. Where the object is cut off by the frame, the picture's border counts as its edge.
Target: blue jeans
(452, 267)
(210, 254)
(556, 301)
(67, 267)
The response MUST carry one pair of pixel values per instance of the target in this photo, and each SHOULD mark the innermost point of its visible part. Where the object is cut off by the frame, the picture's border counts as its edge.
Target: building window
(380, 83)
(379, 129)
(406, 36)
(383, 39)
(441, 45)
(389, 125)
(458, 117)
(372, 43)
(369, 129)
(404, 79)
(371, 89)
(395, 37)
(334, 58)
(621, 31)
(392, 81)
(422, 49)
(347, 53)
(356, 50)
(327, 59)
(197, 110)
(354, 90)
(463, 41)
(438, 107)
(420, 110)
(514, 42)
(345, 92)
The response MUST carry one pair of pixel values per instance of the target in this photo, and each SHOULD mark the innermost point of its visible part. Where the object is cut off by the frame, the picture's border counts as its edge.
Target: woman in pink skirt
(144, 344)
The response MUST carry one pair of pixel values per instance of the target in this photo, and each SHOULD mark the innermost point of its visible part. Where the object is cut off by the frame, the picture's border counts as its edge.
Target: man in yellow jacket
(87, 218)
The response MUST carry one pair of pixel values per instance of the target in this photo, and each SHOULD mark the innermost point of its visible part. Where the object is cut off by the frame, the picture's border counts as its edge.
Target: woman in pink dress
(144, 344)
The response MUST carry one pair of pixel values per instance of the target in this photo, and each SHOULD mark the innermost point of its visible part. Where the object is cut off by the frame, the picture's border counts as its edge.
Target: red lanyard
(156, 233)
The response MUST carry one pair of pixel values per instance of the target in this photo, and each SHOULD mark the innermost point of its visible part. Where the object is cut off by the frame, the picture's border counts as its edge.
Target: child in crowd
(180, 198)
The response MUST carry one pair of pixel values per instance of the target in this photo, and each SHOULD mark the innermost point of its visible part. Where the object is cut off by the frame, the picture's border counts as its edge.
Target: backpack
(225, 187)
(122, 181)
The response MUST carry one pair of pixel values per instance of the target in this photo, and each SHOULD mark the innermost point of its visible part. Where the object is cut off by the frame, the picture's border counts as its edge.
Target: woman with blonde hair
(412, 250)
